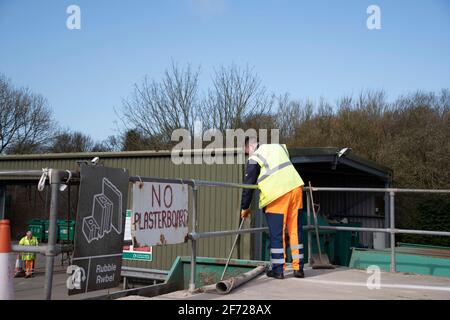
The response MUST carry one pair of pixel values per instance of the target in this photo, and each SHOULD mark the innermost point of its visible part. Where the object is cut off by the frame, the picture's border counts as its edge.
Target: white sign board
(160, 213)
(131, 252)
(127, 232)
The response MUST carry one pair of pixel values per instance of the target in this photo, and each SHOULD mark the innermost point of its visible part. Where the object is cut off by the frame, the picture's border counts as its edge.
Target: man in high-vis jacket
(28, 257)
(280, 197)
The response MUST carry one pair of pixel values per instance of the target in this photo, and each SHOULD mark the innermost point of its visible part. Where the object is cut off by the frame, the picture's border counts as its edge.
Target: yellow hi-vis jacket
(277, 175)
(28, 242)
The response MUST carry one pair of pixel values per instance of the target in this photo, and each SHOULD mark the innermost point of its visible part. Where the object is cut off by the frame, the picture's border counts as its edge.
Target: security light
(340, 153)
(95, 161)
(344, 152)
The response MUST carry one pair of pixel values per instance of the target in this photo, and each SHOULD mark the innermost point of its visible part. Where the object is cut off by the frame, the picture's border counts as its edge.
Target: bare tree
(135, 140)
(290, 115)
(155, 109)
(111, 144)
(66, 141)
(25, 119)
(237, 94)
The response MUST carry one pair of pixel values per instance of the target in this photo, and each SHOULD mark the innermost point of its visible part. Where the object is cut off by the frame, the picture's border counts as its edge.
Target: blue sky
(310, 49)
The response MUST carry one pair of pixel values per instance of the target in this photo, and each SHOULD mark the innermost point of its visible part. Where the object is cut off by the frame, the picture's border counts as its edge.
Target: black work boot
(275, 275)
(299, 274)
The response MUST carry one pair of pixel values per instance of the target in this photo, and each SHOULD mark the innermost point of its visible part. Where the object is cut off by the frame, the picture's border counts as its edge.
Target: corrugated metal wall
(358, 207)
(218, 207)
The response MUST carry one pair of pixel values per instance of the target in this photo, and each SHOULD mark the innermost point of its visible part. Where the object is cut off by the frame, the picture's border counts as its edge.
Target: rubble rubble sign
(99, 231)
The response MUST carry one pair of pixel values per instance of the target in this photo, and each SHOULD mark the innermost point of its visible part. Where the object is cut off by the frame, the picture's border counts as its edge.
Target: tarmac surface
(33, 288)
(335, 284)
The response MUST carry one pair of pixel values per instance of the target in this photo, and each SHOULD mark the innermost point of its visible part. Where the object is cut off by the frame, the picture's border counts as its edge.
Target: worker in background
(280, 186)
(28, 257)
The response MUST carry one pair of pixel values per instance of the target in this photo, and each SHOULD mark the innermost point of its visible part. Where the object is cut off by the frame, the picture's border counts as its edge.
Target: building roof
(298, 156)
(330, 155)
(119, 154)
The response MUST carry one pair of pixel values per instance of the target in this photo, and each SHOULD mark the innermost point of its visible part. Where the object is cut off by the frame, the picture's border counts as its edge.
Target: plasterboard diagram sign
(106, 213)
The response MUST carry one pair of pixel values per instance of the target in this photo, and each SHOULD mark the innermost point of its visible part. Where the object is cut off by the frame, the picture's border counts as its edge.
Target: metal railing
(51, 249)
(391, 230)
(194, 235)
(58, 177)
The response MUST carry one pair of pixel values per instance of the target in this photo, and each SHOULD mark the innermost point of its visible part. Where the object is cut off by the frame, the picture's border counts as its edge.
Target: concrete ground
(341, 283)
(33, 288)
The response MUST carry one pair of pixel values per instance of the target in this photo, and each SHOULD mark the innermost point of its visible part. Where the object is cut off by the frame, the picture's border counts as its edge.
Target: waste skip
(66, 230)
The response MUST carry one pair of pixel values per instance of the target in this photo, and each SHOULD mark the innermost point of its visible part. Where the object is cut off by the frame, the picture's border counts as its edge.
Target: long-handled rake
(232, 249)
(323, 262)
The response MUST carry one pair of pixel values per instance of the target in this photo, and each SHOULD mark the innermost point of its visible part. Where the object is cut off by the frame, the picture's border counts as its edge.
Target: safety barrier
(6, 283)
(194, 235)
(57, 178)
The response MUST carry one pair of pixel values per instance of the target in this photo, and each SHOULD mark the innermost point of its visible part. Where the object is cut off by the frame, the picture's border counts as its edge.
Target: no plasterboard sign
(160, 213)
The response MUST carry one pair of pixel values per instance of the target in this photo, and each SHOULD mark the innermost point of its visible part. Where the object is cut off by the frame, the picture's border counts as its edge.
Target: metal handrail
(56, 178)
(212, 234)
(59, 177)
(381, 190)
(194, 236)
(42, 249)
(38, 173)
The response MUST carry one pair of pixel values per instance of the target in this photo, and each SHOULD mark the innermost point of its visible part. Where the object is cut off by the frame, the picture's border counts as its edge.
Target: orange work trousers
(281, 213)
(29, 267)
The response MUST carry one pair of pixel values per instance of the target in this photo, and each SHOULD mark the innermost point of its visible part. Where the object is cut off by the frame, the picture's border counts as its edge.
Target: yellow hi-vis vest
(28, 242)
(277, 175)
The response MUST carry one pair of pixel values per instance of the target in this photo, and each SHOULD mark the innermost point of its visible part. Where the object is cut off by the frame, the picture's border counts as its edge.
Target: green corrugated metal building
(218, 207)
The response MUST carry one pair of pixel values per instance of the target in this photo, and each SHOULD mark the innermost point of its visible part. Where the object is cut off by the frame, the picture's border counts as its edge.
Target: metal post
(308, 216)
(125, 283)
(392, 224)
(50, 253)
(193, 241)
(386, 215)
